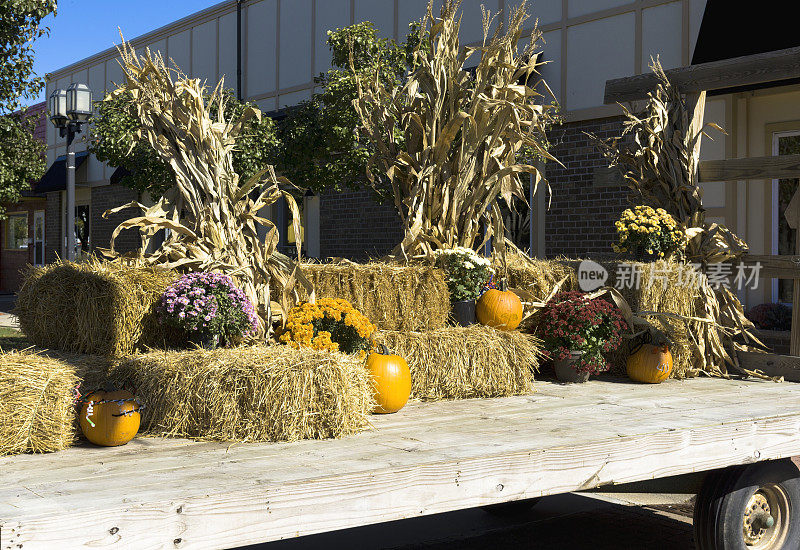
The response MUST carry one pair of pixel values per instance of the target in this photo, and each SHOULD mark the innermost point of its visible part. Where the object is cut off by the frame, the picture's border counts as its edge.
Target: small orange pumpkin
(391, 379)
(650, 364)
(499, 309)
(110, 418)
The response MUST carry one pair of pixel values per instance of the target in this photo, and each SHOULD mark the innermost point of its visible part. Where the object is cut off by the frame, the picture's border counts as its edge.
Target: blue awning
(55, 179)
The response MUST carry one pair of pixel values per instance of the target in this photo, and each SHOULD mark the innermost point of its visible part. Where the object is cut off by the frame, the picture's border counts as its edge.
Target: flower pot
(205, 341)
(565, 369)
(464, 312)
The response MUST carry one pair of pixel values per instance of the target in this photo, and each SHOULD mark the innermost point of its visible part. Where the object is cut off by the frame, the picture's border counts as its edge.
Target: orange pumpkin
(110, 418)
(650, 364)
(391, 379)
(499, 309)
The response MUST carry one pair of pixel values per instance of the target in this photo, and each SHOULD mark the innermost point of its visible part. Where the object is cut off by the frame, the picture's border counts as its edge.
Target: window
(17, 231)
(785, 143)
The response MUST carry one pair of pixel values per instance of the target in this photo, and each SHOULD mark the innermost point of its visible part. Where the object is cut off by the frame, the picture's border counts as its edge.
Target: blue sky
(85, 27)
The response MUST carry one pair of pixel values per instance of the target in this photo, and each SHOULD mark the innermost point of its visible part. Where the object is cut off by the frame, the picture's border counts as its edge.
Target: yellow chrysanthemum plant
(647, 234)
(329, 324)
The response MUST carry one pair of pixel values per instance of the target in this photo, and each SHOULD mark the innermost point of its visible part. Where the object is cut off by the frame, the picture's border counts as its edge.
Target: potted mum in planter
(209, 309)
(648, 234)
(467, 274)
(329, 324)
(577, 331)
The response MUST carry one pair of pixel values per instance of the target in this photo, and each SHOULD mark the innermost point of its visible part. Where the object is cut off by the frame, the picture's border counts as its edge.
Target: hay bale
(95, 308)
(539, 277)
(36, 411)
(264, 393)
(393, 297)
(464, 362)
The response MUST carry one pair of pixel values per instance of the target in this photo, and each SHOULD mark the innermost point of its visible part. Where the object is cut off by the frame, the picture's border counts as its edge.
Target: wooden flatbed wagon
(429, 458)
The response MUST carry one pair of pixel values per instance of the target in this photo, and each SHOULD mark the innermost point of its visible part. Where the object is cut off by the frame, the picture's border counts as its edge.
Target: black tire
(764, 494)
(512, 508)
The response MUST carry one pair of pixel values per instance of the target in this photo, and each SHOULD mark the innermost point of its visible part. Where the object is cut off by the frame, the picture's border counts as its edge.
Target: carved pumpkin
(110, 418)
(499, 309)
(391, 379)
(650, 364)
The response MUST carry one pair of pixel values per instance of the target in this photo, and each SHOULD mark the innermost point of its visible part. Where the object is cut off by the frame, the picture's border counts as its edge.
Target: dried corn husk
(660, 167)
(450, 141)
(213, 217)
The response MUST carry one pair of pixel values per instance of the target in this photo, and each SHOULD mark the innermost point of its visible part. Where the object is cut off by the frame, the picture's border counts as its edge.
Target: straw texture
(393, 297)
(100, 308)
(36, 412)
(264, 393)
(464, 362)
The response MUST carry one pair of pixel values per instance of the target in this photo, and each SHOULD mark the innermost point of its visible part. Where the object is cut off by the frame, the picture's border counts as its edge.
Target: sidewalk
(7, 319)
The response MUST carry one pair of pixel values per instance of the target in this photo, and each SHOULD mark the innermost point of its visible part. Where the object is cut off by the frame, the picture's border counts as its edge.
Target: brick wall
(587, 199)
(352, 225)
(14, 261)
(52, 227)
(111, 196)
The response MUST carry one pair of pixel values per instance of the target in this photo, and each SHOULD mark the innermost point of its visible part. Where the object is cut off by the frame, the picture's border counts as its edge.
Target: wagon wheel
(752, 507)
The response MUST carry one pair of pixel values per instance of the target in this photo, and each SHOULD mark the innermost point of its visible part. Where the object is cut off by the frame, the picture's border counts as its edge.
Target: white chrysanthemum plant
(468, 272)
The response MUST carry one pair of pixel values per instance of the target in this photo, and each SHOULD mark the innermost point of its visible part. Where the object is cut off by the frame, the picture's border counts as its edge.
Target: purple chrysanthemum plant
(208, 305)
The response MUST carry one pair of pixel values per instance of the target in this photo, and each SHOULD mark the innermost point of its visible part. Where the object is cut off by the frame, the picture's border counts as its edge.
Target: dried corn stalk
(660, 167)
(213, 217)
(450, 140)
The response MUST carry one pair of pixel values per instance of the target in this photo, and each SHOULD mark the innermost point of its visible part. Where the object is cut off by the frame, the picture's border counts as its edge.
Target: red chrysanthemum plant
(573, 322)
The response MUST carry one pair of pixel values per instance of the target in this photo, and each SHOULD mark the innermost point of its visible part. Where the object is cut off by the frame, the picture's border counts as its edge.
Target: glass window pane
(17, 231)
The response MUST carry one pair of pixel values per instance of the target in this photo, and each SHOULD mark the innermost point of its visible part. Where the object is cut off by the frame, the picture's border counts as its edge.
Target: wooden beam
(771, 364)
(775, 267)
(729, 73)
(756, 168)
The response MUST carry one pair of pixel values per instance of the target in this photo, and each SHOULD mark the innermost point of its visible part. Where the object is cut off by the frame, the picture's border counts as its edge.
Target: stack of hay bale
(410, 305)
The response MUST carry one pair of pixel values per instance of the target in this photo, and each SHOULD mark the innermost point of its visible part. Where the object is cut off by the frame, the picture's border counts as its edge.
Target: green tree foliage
(116, 140)
(321, 146)
(19, 28)
(21, 155)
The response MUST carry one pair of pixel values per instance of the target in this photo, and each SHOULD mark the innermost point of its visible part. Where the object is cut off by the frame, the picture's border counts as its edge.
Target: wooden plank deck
(429, 458)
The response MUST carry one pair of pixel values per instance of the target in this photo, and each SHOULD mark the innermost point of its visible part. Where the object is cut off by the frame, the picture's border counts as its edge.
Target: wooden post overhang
(750, 70)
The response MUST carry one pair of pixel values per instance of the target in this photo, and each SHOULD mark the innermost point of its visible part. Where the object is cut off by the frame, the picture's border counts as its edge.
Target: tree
(19, 28)
(22, 155)
(321, 146)
(116, 140)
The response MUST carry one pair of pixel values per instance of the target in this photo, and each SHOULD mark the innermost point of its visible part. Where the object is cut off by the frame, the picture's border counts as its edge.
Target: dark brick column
(53, 232)
(587, 197)
(353, 225)
(111, 196)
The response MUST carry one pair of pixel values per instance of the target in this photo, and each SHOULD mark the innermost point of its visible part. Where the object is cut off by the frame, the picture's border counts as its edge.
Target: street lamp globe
(57, 105)
(79, 102)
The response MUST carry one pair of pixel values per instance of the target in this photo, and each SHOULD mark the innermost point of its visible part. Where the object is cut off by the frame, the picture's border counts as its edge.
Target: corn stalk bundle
(450, 140)
(660, 168)
(212, 215)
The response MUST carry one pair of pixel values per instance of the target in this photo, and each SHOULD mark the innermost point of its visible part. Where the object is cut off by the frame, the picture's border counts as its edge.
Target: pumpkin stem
(383, 349)
(504, 285)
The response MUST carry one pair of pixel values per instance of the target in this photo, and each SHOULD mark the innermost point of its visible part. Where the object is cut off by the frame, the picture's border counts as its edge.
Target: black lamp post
(68, 111)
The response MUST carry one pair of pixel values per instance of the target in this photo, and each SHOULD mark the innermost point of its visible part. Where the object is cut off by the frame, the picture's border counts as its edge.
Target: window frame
(6, 235)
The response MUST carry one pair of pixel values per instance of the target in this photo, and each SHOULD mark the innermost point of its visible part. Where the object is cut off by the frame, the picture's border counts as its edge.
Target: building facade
(23, 229)
(283, 46)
